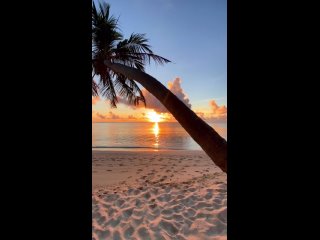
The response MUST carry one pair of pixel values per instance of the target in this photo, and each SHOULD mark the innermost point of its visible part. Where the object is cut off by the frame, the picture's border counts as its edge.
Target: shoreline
(114, 167)
(141, 149)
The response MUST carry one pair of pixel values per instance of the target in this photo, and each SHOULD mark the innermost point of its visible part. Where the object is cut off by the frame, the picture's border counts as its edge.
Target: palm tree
(119, 64)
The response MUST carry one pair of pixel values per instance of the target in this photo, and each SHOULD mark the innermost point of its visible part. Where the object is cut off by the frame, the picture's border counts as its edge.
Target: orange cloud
(110, 115)
(113, 116)
(216, 110)
(218, 113)
(101, 116)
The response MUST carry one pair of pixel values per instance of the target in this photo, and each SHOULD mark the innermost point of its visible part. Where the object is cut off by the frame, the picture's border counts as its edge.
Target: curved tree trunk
(210, 141)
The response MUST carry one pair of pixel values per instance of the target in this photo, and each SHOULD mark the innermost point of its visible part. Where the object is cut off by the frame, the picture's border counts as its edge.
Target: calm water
(146, 136)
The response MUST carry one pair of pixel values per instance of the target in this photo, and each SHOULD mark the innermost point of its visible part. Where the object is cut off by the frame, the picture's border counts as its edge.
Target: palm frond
(95, 89)
(108, 44)
(128, 90)
(106, 87)
(136, 52)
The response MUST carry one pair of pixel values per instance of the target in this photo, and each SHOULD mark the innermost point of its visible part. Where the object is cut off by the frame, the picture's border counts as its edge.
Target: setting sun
(154, 117)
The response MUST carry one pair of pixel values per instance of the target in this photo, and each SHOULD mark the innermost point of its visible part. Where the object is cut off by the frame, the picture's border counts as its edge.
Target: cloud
(110, 115)
(216, 110)
(113, 116)
(175, 87)
(131, 117)
(101, 116)
(218, 113)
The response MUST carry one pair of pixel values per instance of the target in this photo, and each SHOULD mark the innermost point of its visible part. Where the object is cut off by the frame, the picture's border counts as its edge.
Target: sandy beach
(157, 195)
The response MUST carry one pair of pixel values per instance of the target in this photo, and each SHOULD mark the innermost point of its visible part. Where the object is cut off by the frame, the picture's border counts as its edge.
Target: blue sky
(192, 34)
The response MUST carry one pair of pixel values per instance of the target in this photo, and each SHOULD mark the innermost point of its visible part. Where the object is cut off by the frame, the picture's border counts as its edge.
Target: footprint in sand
(163, 178)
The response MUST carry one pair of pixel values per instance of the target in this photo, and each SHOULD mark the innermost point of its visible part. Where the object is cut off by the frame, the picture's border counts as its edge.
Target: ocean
(139, 136)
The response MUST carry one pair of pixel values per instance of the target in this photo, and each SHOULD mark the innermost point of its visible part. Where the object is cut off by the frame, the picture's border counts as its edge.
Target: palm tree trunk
(209, 140)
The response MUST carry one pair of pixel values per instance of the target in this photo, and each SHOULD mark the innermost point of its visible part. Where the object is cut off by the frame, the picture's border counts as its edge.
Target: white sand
(158, 195)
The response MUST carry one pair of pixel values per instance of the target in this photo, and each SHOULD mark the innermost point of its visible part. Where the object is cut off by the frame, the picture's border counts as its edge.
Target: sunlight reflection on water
(163, 135)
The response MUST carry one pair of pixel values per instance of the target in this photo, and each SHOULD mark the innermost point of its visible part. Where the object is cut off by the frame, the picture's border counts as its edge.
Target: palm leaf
(108, 44)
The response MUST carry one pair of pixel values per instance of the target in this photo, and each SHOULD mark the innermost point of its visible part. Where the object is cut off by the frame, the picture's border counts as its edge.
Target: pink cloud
(218, 113)
(216, 110)
(176, 89)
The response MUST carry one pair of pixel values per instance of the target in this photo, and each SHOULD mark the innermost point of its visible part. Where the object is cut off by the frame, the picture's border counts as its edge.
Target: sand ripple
(193, 208)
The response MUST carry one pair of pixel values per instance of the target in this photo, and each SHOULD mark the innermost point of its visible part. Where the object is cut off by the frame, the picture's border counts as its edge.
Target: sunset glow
(156, 131)
(154, 117)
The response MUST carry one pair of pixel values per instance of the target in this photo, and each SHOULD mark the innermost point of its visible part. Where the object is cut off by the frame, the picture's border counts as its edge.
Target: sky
(193, 35)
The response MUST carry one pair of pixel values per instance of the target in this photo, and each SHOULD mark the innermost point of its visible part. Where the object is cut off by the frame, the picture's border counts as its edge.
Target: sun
(154, 117)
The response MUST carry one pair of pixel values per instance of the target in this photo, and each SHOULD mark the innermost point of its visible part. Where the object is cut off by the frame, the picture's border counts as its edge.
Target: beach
(167, 194)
